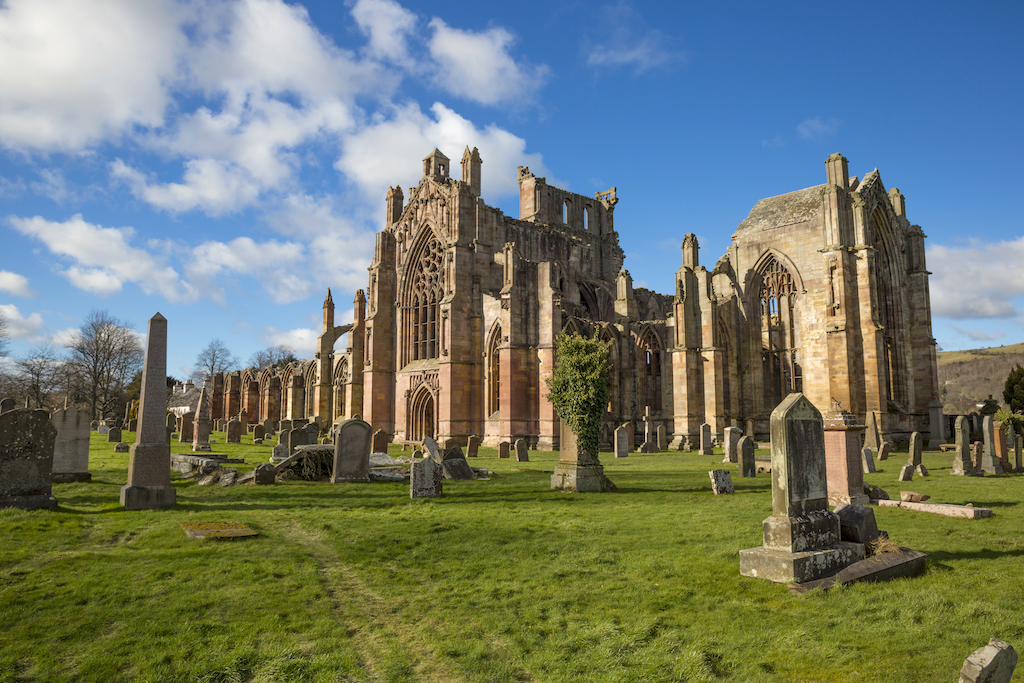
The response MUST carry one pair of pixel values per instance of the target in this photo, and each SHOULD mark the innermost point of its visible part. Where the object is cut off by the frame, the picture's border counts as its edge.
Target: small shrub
(578, 387)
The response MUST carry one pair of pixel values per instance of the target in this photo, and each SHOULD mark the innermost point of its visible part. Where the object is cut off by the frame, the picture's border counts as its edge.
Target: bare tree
(105, 355)
(5, 335)
(271, 356)
(40, 374)
(216, 357)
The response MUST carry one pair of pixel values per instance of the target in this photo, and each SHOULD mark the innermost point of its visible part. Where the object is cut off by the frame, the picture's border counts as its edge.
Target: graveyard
(496, 580)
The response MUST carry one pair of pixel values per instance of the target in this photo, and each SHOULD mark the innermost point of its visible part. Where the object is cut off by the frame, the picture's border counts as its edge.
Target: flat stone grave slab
(217, 530)
(877, 568)
(944, 509)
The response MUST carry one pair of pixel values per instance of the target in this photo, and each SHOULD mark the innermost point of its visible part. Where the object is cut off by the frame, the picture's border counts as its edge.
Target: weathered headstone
(27, 440)
(977, 455)
(662, 438)
(285, 426)
(352, 451)
(907, 473)
(71, 448)
(750, 428)
(706, 445)
(133, 425)
(916, 446)
(883, 451)
(962, 464)
(258, 432)
(202, 424)
(233, 433)
(801, 538)
(426, 479)
(457, 468)
(103, 430)
(989, 462)
(186, 431)
(872, 435)
(857, 523)
(432, 450)
(265, 474)
(114, 435)
(473, 449)
(8, 404)
(149, 464)
(522, 451)
(1002, 445)
(721, 482)
(867, 461)
(171, 421)
(993, 663)
(621, 446)
(745, 449)
(503, 449)
(121, 447)
(380, 441)
(732, 439)
(843, 466)
(297, 437)
(1017, 443)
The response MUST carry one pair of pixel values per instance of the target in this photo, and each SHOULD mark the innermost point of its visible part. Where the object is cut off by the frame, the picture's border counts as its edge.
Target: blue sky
(223, 163)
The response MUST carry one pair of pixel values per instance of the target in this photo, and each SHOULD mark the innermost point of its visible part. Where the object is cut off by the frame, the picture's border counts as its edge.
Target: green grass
(501, 580)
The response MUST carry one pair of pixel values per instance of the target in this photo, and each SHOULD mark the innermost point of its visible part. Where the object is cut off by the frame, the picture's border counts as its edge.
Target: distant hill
(969, 377)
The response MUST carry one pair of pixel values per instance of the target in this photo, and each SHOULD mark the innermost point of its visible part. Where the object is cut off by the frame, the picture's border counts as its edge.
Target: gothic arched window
(494, 372)
(421, 307)
(779, 353)
(890, 311)
(648, 354)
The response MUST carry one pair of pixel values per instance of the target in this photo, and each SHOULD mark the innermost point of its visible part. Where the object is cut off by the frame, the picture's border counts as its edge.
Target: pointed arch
(493, 379)
(889, 286)
(610, 336)
(774, 291)
(420, 297)
(339, 384)
(310, 382)
(649, 358)
(422, 414)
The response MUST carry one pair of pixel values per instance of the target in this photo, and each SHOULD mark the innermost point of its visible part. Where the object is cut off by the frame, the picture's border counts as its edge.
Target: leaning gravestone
(27, 439)
(872, 436)
(867, 461)
(745, 447)
(993, 663)
(71, 449)
(233, 433)
(149, 465)
(185, 429)
(721, 482)
(916, 447)
(706, 446)
(114, 435)
(352, 451)
(883, 451)
(432, 449)
(622, 442)
(962, 464)
(457, 468)
(473, 449)
(732, 439)
(801, 538)
(522, 451)
(426, 479)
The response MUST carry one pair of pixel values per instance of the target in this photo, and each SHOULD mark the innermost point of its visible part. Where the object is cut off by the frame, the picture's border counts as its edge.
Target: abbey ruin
(823, 291)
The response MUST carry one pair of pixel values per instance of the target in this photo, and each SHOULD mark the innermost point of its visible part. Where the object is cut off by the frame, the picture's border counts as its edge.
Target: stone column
(844, 469)
(149, 460)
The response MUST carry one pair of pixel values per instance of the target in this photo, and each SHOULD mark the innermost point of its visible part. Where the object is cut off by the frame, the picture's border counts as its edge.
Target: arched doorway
(421, 414)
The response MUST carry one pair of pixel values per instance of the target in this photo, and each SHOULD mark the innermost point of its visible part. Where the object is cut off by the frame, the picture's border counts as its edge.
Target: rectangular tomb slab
(944, 509)
(884, 567)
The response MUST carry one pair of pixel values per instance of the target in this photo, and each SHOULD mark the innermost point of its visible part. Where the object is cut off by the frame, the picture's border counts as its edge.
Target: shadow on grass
(937, 556)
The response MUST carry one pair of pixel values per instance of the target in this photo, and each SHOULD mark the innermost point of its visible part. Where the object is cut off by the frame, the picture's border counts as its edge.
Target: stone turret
(471, 169)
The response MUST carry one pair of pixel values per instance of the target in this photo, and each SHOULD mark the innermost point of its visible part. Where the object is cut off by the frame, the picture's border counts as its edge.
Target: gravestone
(750, 428)
(27, 439)
(801, 537)
(1002, 445)
(706, 446)
(352, 451)
(843, 457)
(233, 434)
(577, 470)
(133, 425)
(149, 462)
(268, 426)
(621, 445)
(102, 430)
(201, 424)
(745, 448)
(907, 473)
(977, 455)
(522, 451)
(473, 449)
(7, 404)
(857, 523)
(264, 474)
(121, 447)
(962, 464)
(989, 463)
(662, 438)
(1017, 442)
(258, 432)
(503, 449)
(732, 439)
(868, 461)
(433, 450)
(993, 663)
(171, 421)
(71, 446)
(872, 435)
(297, 437)
(721, 482)
(312, 431)
(243, 420)
(914, 456)
(285, 426)
(883, 451)
(457, 468)
(114, 435)
(186, 430)
(380, 441)
(426, 479)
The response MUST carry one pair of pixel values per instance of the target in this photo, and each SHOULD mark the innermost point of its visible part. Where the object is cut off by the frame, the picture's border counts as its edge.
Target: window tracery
(421, 310)
(779, 353)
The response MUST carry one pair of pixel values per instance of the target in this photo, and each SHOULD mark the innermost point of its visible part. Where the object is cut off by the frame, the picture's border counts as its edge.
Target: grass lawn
(501, 580)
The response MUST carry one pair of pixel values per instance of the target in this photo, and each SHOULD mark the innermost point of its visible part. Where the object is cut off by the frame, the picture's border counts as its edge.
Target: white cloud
(817, 128)
(388, 25)
(14, 283)
(86, 71)
(103, 258)
(624, 39)
(215, 186)
(978, 335)
(302, 340)
(63, 337)
(274, 264)
(982, 280)
(478, 67)
(21, 327)
(379, 155)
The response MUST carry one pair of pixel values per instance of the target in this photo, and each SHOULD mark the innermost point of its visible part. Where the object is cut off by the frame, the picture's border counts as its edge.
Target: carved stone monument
(801, 538)
(27, 439)
(352, 451)
(843, 465)
(426, 479)
(621, 442)
(577, 471)
(149, 460)
(706, 447)
(202, 424)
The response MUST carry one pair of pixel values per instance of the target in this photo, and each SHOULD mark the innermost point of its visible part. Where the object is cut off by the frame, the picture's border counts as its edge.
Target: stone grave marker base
(147, 497)
(70, 477)
(782, 566)
(29, 502)
(878, 568)
(579, 478)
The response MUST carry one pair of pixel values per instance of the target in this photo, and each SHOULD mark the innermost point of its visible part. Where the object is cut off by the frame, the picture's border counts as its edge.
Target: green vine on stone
(578, 388)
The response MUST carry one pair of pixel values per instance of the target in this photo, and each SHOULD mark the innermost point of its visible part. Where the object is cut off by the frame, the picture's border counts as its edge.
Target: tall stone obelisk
(149, 462)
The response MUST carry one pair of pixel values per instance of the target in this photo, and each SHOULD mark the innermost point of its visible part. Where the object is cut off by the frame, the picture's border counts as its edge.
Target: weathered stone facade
(824, 291)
